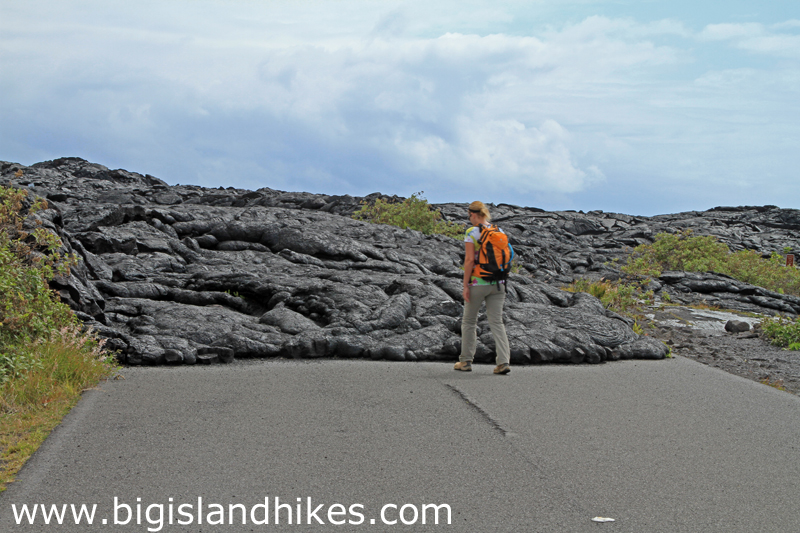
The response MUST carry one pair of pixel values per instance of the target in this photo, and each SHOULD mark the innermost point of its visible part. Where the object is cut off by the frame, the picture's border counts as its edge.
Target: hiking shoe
(464, 366)
(502, 369)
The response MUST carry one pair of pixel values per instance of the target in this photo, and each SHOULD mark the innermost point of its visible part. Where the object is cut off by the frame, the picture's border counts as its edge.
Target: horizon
(639, 108)
(490, 204)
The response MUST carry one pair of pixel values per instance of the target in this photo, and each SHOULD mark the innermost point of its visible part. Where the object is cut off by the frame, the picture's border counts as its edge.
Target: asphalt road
(666, 446)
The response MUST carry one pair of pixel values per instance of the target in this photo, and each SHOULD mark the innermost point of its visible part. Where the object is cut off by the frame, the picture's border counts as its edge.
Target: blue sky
(639, 107)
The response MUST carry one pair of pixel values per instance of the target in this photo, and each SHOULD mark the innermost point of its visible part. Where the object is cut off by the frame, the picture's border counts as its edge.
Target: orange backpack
(494, 255)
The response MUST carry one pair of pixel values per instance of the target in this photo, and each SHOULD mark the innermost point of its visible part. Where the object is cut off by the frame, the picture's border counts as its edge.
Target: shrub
(620, 297)
(412, 213)
(782, 332)
(30, 313)
(772, 273)
(681, 251)
(29, 309)
(677, 251)
(46, 356)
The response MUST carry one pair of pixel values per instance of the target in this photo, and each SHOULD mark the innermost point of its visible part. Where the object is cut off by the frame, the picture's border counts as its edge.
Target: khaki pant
(494, 310)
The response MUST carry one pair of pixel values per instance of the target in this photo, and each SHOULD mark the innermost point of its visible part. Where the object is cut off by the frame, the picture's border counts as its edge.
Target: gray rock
(287, 321)
(185, 274)
(643, 348)
(736, 326)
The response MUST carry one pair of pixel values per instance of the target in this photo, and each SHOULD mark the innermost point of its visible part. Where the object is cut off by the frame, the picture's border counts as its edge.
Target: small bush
(29, 310)
(597, 289)
(681, 251)
(412, 213)
(782, 332)
(620, 297)
(32, 316)
(772, 273)
(678, 251)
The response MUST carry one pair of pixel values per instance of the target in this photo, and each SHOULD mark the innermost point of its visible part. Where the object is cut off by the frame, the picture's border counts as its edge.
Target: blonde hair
(481, 209)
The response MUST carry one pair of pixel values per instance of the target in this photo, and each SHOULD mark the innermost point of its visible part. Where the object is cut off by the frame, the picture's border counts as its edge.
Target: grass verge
(22, 433)
(34, 402)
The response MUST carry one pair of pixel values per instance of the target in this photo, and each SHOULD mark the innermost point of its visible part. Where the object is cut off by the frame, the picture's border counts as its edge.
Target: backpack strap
(477, 243)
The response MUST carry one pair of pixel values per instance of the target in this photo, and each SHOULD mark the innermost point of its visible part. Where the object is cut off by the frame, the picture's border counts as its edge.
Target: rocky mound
(186, 274)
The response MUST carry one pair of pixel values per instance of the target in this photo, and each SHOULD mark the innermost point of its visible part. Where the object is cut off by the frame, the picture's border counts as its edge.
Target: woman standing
(476, 291)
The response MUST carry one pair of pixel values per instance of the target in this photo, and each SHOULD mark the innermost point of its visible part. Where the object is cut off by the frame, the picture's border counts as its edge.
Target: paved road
(658, 445)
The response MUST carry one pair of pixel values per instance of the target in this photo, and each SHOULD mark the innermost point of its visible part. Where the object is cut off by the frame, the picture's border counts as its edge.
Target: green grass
(33, 402)
(412, 213)
(47, 358)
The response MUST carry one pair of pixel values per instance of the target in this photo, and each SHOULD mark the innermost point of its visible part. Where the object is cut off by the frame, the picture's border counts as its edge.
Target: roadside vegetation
(412, 213)
(683, 251)
(782, 331)
(46, 357)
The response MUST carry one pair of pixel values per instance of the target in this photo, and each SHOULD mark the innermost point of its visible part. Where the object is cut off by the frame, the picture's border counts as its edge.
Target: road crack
(484, 414)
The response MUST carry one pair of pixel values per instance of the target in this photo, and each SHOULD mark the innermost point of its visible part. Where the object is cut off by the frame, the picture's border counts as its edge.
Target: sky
(632, 106)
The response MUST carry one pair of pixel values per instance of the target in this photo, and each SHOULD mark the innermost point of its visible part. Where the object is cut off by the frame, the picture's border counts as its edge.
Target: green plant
(597, 289)
(70, 358)
(620, 297)
(626, 297)
(412, 213)
(34, 402)
(782, 331)
(46, 356)
(682, 251)
(29, 310)
(678, 251)
(579, 285)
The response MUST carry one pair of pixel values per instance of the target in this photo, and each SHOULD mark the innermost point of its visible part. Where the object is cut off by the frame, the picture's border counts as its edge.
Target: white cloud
(501, 153)
(457, 105)
(757, 37)
(523, 159)
(721, 32)
(596, 26)
(366, 96)
(789, 24)
(780, 45)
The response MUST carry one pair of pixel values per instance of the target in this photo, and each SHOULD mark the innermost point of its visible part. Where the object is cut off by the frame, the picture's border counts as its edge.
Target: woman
(476, 291)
